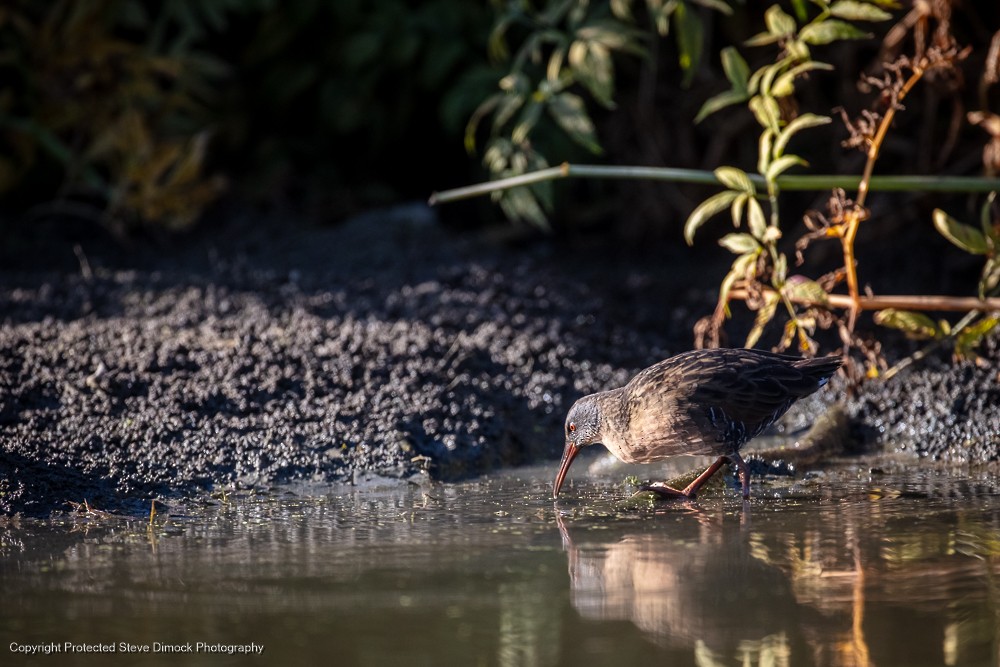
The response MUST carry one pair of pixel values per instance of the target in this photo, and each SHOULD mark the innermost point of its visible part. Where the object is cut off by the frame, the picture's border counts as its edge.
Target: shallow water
(898, 565)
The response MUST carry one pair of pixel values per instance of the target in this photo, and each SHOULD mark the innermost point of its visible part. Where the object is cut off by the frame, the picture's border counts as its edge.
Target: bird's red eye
(572, 427)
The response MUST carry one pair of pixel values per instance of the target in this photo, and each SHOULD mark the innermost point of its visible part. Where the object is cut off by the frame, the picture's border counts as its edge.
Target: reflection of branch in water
(831, 583)
(858, 613)
(708, 593)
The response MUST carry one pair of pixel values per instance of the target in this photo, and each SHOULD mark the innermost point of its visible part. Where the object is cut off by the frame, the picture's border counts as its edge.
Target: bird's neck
(614, 420)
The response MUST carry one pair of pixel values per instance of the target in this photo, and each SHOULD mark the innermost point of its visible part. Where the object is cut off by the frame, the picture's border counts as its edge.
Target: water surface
(862, 563)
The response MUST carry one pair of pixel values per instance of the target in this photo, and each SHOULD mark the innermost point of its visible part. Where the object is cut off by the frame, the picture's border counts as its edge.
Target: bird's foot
(667, 492)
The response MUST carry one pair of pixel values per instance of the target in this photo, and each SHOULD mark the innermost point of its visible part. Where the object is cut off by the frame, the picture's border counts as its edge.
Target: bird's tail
(820, 369)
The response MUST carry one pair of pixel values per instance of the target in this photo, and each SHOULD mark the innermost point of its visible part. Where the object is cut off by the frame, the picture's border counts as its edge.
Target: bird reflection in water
(703, 590)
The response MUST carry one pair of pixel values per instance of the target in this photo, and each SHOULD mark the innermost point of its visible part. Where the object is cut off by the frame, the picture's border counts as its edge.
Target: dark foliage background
(135, 115)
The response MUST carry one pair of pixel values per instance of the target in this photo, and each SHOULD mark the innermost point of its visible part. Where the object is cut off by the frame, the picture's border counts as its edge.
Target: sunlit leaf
(763, 39)
(853, 10)
(778, 22)
(784, 85)
(592, 66)
(765, 110)
(971, 336)
(782, 164)
(803, 122)
(990, 279)
(720, 101)
(764, 154)
(800, 288)
(768, 74)
(764, 315)
(622, 9)
(735, 179)
(739, 244)
(990, 230)
(613, 35)
(711, 206)
(966, 237)
(737, 208)
(521, 204)
(830, 30)
(569, 112)
(780, 270)
(756, 220)
(555, 66)
(913, 324)
(742, 266)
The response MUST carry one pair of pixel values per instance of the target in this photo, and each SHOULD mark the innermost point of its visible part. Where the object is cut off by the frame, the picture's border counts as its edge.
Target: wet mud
(259, 354)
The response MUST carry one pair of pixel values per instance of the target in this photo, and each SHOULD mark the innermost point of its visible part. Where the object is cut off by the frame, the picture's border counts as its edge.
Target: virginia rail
(707, 402)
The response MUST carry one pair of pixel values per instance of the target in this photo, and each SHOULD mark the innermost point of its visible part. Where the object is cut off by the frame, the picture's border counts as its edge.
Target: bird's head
(583, 427)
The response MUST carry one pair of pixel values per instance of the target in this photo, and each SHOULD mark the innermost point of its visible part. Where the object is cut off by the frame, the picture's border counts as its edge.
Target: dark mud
(261, 354)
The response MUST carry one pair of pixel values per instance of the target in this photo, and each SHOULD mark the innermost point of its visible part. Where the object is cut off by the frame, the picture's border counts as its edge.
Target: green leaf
(990, 231)
(690, 39)
(914, 325)
(803, 122)
(509, 104)
(737, 208)
(782, 164)
(739, 243)
(736, 68)
(852, 10)
(800, 10)
(569, 112)
(764, 315)
(830, 30)
(714, 204)
(778, 22)
(966, 237)
(521, 204)
(720, 101)
(804, 289)
(753, 85)
(756, 220)
(971, 336)
(764, 151)
(741, 266)
(622, 9)
(765, 109)
(763, 39)
(717, 5)
(990, 279)
(592, 66)
(769, 73)
(784, 85)
(780, 270)
(735, 179)
(613, 35)
(555, 66)
(527, 121)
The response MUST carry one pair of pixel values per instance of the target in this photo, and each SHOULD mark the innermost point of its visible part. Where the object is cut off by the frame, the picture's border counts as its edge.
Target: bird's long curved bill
(567, 458)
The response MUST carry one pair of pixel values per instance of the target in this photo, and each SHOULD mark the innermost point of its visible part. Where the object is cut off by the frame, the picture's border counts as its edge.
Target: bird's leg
(691, 490)
(744, 472)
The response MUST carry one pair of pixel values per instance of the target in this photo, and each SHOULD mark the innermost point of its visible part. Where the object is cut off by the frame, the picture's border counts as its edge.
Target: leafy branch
(566, 50)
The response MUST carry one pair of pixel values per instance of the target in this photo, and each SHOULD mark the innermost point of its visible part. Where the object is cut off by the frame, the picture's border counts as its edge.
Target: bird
(702, 402)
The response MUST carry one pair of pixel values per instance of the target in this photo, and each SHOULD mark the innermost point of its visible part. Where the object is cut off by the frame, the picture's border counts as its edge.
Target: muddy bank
(262, 354)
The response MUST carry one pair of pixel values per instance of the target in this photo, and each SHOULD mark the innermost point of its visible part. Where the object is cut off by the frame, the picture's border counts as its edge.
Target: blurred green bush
(130, 112)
